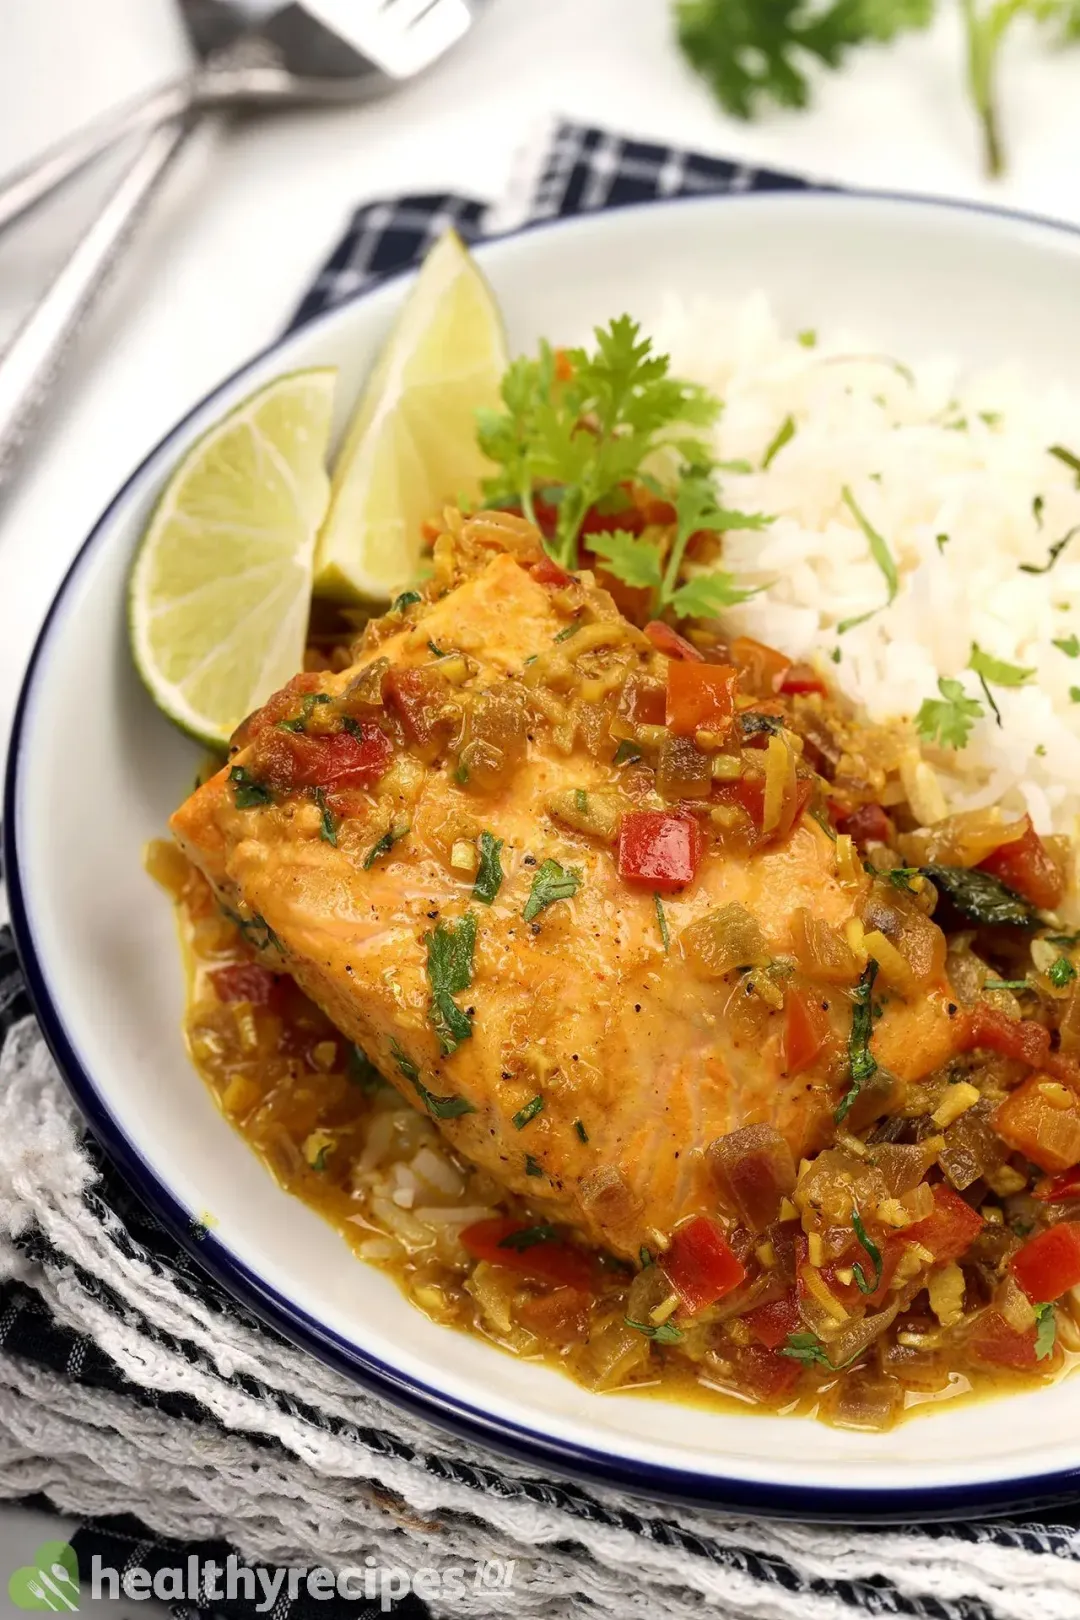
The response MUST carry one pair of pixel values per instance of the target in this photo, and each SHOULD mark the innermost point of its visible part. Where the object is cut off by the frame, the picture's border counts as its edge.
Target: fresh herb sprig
(450, 948)
(862, 1063)
(552, 882)
(658, 1332)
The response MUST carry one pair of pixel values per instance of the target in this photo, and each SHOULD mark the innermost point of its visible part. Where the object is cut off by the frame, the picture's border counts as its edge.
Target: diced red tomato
(1031, 1121)
(1049, 1265)
(768, 1374)
(806, 1029)
(1019, 1038)
(418, 696)
(343, 759)
(562, 1317)
(548, 572)
(659, 848)
(1026, 867)
(801, 678)
(700, 1264)
(1056, 1189)
(763, 668)
(279, 707)
(244, 981)
(700, 697)
(867, 825)
(951, 1229)
(670, 643)
(993, 1341)
(548, 1260)
(770, 1324)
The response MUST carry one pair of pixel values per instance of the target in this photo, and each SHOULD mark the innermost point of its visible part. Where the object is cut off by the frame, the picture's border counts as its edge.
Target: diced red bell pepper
(548, 1260)
(670, 643)
(244, 981)
(700, 697)
(1032, 1122)
(867, 825)
(659, 848)
(766, 1373)
(800, 678)
(1056, 1189)
(806, 1029)
(993, 1341)
(342, 759)
(548, 572)
(770, 1324)
(952, 1227)
(1049, 1265)
(700, 1265)
(1026, 867)
(763, 668)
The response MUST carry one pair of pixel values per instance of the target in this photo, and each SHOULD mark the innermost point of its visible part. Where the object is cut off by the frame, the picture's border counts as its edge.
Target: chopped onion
(754, 1169)
(722, 940)
(866, 1400)
(821, 951)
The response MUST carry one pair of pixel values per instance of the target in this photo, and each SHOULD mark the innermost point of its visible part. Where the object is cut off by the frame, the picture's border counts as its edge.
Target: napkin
(136, 1396)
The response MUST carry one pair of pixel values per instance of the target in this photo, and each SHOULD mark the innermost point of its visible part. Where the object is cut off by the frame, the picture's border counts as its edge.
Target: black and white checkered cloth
(583, 169)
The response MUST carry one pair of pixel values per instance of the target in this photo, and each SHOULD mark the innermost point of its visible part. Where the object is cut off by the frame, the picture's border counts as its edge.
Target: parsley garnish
(248, 793)
(579, 1127)
(1045, 1331)
(405, 600)
(438, 1107)
(783, 435)
(552, 882)
(489, 874)
(662, 922)
(532, 1166)
(948, 720)
(996, 670)
(881, 554)
(659, 1332)
(590, 429)
(528, 1236)
(1067, 458)
(529, 1112)
(807, 1348)
(1061, 972)
(328, 827)
(1069, 645)
(1052, 555)
(861, 1060)
(450, 948)
(382, 846)
(874, 1253)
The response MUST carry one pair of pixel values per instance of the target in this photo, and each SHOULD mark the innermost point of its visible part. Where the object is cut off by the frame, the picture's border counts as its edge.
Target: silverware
(293, 50)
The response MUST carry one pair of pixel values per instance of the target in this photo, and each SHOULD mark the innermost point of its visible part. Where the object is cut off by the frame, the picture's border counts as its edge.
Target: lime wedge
(221, 587)
(411, 446)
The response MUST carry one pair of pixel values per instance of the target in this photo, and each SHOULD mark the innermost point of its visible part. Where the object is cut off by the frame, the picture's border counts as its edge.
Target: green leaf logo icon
(50, 1581)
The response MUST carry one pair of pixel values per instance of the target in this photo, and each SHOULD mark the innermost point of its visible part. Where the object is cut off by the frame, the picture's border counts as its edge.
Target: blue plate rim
(867, 1504)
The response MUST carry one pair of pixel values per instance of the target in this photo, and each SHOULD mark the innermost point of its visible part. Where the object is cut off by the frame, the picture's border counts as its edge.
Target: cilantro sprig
(588, 425)
(948, 720)
(450, 948)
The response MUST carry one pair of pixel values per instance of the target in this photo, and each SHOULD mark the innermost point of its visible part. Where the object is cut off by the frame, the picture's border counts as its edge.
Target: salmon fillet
(592, 1065)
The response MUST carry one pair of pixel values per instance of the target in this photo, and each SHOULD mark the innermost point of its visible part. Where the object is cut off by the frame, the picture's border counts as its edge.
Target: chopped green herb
(807, 1348)
(248, 793)
(529, 1112)
(662, 922)
(1065, 941)
(571, 630)
(532, 1166)
(1052, 555)
(861, 1061)
(807, 337)
(404, 1063)
(552, 882)
(991, 418)
(996, 670)
(751, 724)
(881, 554)
(1074, 694)
(783, 435)
(405, 600)
(307, 703)
(948, 720)
(528, 1236)
(900, 877)
(435, 650)
(581, 801)
(1006, 984)
(627, 752)
(1045, 1331)
(438, 1107)
(360, 1071)
(328, 827)
(1037, 509)
(1040, 750)
(982, 898)
(256, 930)
(864, 1286)
(1061, 972)
(579, 1127)
(836, 655)
(319, 1161)
(1069, 645)
(659, 1332)
(941, 541)
(489, 873)
(385, 844)
(450, 948)
(645, 1257)
(461, 772)
(1067, 458)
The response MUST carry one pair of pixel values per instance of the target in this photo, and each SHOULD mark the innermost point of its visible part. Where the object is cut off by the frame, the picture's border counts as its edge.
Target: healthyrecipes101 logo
(49, 1581)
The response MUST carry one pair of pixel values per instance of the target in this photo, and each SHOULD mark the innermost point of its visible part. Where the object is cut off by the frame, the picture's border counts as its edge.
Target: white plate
(94, 772)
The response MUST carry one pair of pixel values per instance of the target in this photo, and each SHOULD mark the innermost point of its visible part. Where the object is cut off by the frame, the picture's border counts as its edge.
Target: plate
(94, 771)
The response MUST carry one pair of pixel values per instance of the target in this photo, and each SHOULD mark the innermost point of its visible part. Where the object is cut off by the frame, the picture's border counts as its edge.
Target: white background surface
(253, 211)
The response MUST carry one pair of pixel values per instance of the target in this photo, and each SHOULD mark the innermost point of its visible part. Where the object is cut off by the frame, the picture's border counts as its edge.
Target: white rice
(884, 431)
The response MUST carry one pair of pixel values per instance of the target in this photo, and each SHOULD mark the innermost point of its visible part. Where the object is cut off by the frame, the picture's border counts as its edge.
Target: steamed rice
(926, 453)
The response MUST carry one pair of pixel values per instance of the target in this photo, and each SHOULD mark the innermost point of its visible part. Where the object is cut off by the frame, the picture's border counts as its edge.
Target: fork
(321, 50)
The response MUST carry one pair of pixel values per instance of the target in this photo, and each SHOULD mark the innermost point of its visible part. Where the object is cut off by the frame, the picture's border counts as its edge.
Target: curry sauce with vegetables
(613, 984)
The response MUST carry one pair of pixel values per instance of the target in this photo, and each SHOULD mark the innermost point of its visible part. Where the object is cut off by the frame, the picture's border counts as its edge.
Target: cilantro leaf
(328, 826)
(862, 1063)
(247, 792)
(438, 1107)
(658, 1332)
(783, 435)
(385, 844)
(534, 1106)
(1061, 972)
(634, 560)
(874, 1253)
(996, 670)
(948, 720)
(706, 595)
(489, 873)
(1045, 1331)
(552, 882)
(1058, 451)
(1052, 555)
(807, 1348)
(526, 1237)
(879, 549)
(1069, 645)
(449, 970)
